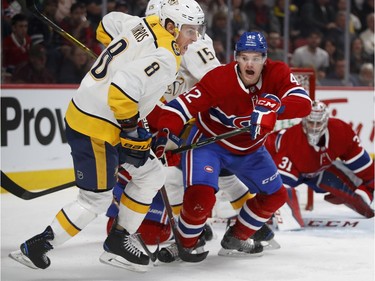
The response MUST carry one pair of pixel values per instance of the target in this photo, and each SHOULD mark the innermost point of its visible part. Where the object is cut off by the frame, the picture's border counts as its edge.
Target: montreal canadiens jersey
(296, 159)
(130, 76)
(220, 103)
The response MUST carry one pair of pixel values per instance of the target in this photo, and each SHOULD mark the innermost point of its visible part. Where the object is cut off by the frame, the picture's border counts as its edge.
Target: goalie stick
(22, 193)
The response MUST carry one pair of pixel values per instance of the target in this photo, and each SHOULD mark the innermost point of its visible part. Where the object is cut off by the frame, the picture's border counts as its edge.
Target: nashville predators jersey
(128, 78)
(199, 59)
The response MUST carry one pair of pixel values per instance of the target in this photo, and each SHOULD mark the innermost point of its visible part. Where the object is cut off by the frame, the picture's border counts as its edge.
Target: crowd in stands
(32, 52)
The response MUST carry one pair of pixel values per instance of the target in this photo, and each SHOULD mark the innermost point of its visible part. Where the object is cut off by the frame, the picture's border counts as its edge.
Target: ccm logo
(267, 103)
(271, 178)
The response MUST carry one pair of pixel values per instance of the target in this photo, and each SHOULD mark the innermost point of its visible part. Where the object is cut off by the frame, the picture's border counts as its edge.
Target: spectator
(218, 28)
(355, 24)
(94, 11)
(34, 71)
(214, 7)
(274, 50)
(63, 9)
(261, 17)
(357, 55)
(139, 7)
(75, 67)
(337, 32)
(316, 15)
(278, 10)
(239, 19)
(9, 9)
(366, 8)
(219, 50)
(330, 47)
(366, 76)
(311, 55)
(16, 46)
(122, 6)
(111, 6)
(42, 33)
(80, 28)
(337, 77)
(367, 36)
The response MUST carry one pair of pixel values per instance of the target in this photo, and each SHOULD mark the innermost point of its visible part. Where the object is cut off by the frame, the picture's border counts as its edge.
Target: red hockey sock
(262, 206)
(197, 205)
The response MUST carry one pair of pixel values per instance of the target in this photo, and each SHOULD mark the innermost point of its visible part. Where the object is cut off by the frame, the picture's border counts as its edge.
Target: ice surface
(312, 254)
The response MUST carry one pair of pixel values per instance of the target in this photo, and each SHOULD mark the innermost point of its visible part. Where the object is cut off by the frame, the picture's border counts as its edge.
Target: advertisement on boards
(32, 124)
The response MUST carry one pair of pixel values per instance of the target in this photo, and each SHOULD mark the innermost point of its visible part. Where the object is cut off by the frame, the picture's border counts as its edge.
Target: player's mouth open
(250, 72)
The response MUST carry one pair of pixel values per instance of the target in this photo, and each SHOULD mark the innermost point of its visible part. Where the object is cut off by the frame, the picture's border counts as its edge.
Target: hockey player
(253, 92)
(122, 87)
(197, 61)
(329, 159)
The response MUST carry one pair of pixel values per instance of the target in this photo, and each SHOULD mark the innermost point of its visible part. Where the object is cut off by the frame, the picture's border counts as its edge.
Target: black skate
(208, 232)
(120, 250)
(265, 236)
(234, 247)
(33, 251)
(170, 254)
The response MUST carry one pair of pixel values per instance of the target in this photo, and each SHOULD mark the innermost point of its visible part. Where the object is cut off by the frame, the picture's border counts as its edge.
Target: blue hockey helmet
(251, 42)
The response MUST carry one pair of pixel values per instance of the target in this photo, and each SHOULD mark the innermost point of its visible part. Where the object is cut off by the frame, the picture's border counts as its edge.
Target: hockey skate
(265, 236)
(234, 247)
(170, 254)
(32, 253)
(120, 250)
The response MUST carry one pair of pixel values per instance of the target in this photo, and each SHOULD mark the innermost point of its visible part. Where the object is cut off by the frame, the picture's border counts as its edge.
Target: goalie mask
(315, 124)
(182, 12)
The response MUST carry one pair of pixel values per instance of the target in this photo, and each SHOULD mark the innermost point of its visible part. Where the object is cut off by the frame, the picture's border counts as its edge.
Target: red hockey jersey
(220, 103)
(297, 159)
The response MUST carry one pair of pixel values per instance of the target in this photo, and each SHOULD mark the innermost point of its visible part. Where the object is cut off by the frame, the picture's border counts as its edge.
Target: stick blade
(12, 187)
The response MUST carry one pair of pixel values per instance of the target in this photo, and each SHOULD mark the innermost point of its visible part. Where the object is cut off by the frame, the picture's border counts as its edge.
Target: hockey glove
(264, 116)
(165, 141)
(135, 150)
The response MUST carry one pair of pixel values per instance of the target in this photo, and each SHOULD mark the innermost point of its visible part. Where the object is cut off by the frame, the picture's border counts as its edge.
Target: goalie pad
(339, 185)
(289, 216)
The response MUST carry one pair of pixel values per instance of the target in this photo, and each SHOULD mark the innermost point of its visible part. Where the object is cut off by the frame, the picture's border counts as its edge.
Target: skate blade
(270, 245)
(234, 253)
(118, 261)
(21, 258)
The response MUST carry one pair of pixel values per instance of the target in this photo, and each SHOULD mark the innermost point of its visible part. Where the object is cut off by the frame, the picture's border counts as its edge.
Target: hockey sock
(198, 203)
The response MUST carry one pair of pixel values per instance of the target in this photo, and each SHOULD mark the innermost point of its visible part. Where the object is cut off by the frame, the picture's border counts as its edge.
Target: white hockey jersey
(195, 63)
(199, 59)
(129, 77)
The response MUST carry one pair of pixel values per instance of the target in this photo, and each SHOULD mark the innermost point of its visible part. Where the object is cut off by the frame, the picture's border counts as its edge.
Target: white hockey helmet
(153, 8)
(181, 12)
(315, 124)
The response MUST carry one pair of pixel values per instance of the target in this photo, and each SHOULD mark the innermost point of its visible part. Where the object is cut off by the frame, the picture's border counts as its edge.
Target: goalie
(333, 160)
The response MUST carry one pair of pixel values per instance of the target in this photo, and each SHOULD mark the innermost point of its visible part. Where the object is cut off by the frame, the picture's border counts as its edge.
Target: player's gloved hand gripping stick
(264, 116)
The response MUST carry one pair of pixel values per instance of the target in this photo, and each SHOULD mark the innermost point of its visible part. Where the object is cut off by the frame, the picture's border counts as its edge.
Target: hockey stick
(182, 253)
(210, 140)
(30, 4)
(22, 193)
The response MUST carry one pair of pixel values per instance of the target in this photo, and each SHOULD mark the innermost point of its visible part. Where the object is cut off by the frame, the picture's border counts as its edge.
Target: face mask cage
(315, 124)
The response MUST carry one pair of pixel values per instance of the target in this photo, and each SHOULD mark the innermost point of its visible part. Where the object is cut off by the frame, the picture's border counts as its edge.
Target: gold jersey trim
(92, 126)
